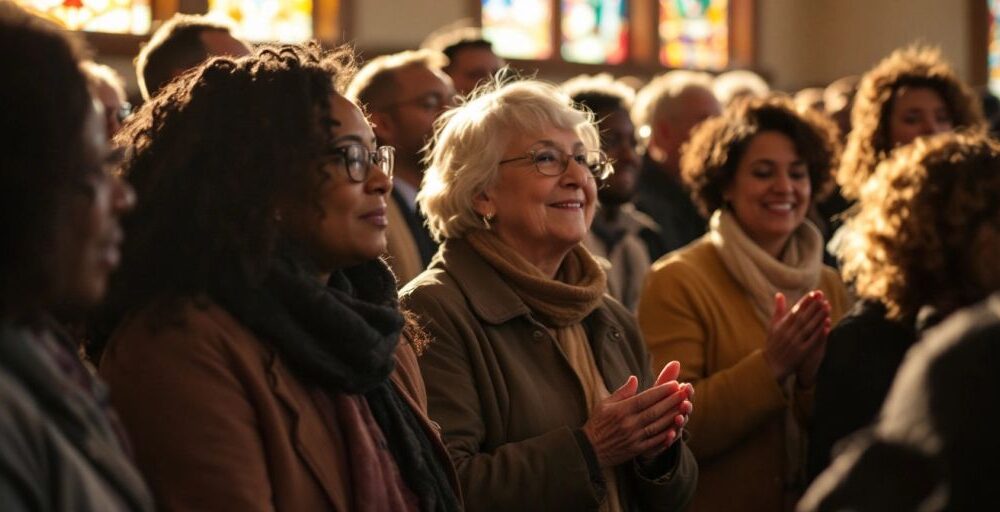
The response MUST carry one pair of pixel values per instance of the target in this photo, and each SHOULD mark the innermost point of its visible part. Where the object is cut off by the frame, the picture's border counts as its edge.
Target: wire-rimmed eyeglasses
(551, 161)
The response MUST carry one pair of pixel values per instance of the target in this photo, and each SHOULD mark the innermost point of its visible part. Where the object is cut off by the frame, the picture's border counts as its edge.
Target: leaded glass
(114, 16)
(286, 21)
(519, 29)
(694, 33)
(595, 31)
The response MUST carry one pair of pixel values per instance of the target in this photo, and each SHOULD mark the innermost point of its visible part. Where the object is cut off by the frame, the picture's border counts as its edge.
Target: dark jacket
(863, 353)
(59, 449)
(509, 403)
(669, 203)
(935, 445)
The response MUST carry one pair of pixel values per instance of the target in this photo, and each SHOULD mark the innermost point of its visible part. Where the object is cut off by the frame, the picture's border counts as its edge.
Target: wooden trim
(742, 33)
(979, 42)
(118, 45)
(328, 22)
(644, 40)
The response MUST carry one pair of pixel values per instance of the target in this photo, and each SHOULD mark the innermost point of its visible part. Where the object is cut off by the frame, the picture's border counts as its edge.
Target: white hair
(660, 98)
(469, 141)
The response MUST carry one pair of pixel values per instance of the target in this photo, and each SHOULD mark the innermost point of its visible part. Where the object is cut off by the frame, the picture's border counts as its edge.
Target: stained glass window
(519, 29)
(595, 31)
(994, 50)
(694, 33)
(115, 16)
(286, 21)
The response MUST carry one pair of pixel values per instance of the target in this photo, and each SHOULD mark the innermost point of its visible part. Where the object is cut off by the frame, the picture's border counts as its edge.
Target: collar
(490, 297)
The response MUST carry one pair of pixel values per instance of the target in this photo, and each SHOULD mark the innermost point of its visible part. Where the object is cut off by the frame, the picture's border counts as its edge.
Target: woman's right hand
(625, 424)
(793, 334)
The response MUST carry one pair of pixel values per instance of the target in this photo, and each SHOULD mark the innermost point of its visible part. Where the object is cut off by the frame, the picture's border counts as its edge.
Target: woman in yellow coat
(747, 307)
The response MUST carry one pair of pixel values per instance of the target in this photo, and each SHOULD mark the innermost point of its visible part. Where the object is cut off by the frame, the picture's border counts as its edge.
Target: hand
(627, 424)
(805, 376)
(681, 413)
(793, 335)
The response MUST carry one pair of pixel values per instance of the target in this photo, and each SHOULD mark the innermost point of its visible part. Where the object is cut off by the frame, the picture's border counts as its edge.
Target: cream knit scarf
(760, 275)
(797, 273)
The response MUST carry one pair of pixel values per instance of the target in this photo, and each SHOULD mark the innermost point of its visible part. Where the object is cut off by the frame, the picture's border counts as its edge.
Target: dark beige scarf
(575, 292)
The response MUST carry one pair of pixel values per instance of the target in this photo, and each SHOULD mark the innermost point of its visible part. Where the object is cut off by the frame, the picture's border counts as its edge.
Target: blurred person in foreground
(746, 309)
(62, 446)
(923, 243)
(620, 234)
(539, 379)
(282, 379)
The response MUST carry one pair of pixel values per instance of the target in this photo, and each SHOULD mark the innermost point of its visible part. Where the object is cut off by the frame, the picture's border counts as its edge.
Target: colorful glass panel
(994, 49)
(114, 16)
(694, 33)
(519, 29)
(595, 31)
(285, 21)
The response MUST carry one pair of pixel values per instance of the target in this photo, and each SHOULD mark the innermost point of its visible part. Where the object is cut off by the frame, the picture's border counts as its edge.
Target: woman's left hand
(681, 412)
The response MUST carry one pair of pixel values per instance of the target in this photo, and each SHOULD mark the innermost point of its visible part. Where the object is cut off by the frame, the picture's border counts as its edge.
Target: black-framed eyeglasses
(358, 160)
(550, 161)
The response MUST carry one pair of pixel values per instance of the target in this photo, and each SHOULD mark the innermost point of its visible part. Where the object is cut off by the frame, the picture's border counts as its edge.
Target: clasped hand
(628, 424)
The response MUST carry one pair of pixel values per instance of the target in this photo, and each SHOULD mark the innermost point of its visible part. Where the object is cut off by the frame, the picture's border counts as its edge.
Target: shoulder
(698, 263)
(190, 329)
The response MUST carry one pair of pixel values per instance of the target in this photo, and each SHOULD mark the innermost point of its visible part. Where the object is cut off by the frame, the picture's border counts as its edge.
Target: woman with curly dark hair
(253, 284)
(911, 93)
(923, 243)
(720, 306)
(61, 447)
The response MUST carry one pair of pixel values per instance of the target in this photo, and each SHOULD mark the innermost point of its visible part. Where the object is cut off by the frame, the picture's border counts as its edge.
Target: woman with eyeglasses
(539, 379)
(259, 359)
(747, 307)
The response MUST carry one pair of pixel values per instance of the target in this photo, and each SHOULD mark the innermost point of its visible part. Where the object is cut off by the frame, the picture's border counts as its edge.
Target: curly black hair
(45, 105)
(212, 157)
(712, 154)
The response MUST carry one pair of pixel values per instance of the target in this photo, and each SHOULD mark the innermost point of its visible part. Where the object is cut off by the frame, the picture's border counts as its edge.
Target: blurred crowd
(294, 280)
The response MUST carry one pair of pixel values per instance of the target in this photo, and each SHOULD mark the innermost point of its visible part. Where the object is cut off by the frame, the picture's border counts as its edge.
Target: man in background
(470, 57)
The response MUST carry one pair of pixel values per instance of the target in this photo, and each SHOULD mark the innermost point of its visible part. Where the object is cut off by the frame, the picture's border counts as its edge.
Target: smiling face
(344, 224)
(917, 111)
(87, 236)
(770, 190)
(541, 217)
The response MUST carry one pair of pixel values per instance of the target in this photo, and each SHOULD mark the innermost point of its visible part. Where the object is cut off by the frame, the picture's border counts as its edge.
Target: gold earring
(487, 221)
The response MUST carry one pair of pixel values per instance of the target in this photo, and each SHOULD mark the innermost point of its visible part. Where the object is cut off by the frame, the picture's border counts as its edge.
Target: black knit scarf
(341, 338)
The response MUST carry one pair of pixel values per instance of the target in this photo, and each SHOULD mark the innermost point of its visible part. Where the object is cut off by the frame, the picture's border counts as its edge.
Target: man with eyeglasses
(404, 93)
(107, 88)
(620, 234)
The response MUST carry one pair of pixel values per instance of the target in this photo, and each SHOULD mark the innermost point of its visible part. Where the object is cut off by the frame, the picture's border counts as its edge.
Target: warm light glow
(694, 34)
(114, 16)
(994, 49)
(285, 21)
(519, 29)
(595, 31)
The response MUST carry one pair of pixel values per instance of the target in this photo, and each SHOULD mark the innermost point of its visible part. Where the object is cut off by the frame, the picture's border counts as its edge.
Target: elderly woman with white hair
(540, 381)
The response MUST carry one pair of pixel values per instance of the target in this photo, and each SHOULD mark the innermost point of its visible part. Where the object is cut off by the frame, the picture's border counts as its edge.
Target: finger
(779, 308)
(647, 398)
(627, 390)
(799, 323)
(658, 410)
(670, 372)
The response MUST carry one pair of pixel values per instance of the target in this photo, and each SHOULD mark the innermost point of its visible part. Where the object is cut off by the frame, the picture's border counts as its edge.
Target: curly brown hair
(712, 154)
(915, 66)
(927, 231)
(212, 155)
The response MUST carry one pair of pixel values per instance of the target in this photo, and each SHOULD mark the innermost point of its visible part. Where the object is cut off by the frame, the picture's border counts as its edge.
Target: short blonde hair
(927, 231)
(470, 140)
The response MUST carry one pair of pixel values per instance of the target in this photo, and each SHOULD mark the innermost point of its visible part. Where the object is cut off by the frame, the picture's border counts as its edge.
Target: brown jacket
(218, 422)
(508, 400)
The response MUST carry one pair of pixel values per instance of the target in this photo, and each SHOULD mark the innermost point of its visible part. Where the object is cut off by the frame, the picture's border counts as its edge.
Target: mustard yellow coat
(692, 310)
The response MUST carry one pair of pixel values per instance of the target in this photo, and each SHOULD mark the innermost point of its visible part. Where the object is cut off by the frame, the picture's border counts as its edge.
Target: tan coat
(218, 422)
(693, 311)
(508, 400)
